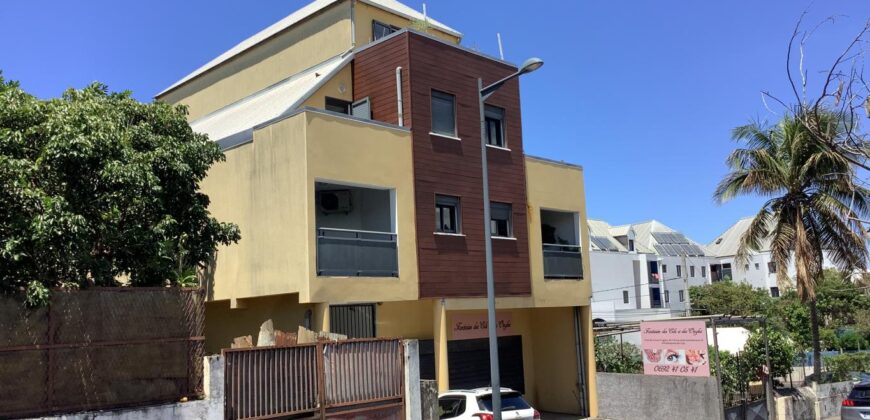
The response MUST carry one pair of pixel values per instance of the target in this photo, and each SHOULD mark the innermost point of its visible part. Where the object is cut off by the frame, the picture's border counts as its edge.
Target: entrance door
(468, 362)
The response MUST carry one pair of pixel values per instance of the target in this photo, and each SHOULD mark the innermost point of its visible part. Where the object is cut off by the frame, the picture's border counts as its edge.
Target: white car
(476, 404)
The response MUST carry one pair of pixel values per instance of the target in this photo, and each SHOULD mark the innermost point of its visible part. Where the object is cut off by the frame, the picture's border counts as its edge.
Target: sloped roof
(239, 118)
(601, 239)
(649, 238)
(315, 6)
(726, 244)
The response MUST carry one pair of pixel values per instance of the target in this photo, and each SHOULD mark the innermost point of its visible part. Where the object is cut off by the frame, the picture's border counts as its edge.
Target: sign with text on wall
(676, 348)
(466, 327)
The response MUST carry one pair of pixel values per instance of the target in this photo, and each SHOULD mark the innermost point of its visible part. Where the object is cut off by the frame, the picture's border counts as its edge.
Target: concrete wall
(551, 186)
(267, 187)
(612, 274)
(626, 396)
(209, 408)
(830, 397)
(312, 41)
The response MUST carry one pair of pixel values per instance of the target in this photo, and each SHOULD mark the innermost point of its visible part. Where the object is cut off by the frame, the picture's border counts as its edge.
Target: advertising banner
(676, 348)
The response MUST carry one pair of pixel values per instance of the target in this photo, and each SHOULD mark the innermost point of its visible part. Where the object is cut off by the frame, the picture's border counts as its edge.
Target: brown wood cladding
(453, 266)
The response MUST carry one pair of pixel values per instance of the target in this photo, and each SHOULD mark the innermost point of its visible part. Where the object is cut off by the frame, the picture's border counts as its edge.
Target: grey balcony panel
(356, 253)
(562, 261)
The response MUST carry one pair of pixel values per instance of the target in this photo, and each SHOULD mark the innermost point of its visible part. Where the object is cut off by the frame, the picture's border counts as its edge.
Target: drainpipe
(399, 96)
(352, 24)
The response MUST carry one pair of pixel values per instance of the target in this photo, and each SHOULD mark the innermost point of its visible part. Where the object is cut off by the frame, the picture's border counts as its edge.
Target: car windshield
(509, 401)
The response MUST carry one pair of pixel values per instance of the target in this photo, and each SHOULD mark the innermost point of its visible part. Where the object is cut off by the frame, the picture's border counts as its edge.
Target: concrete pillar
(589, 350)
(320, 318)
(413, 409)
(440, 344)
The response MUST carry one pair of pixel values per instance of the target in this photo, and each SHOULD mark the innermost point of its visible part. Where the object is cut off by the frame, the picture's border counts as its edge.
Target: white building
(759, 271)
(643, 270)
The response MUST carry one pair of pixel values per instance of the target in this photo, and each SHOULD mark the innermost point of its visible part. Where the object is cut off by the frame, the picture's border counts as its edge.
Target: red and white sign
(465, 327)
(677, 348)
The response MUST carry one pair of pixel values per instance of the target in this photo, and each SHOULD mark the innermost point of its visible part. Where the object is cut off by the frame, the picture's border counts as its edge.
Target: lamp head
(531, 65)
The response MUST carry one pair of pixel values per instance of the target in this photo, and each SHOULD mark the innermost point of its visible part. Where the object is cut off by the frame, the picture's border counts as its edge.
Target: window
(726, 271)
(682, 296)
(447, 214)
(703, 271)
(362, 108)
(450, 407)
(625, 296)
(337, 105)
(692, 271)
(443, 113)
(771, 267)
(664, 268)
(679, 271)
(500, 220)
(494, 118)
(746, 267)
(774, 291)
(756, 266)
(631, 244)
(380, 30)
(667, 296)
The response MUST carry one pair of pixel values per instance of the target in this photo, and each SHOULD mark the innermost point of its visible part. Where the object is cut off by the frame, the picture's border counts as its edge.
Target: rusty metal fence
(99, 349)
(327, 379)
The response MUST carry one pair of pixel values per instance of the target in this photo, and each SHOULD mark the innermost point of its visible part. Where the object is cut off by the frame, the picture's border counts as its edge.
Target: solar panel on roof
(604, 243)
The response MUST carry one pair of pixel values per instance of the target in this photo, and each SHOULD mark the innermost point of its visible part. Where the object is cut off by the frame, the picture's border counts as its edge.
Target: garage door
(468, 363)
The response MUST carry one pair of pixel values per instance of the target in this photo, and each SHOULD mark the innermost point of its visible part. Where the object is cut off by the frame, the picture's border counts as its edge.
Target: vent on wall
(334, 201)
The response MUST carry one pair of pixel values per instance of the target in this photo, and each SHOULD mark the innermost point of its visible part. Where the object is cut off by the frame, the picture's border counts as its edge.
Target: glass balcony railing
(356, 253)
(562, 261)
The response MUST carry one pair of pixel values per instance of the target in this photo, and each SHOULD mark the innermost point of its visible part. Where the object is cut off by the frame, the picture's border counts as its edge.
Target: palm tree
(813, 206)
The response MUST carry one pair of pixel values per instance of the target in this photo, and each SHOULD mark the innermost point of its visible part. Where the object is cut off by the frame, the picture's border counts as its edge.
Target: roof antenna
(500, 49)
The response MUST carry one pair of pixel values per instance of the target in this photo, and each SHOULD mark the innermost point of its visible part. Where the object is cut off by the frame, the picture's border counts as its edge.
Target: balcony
(562, 261)
(562, 253)
(355, 233)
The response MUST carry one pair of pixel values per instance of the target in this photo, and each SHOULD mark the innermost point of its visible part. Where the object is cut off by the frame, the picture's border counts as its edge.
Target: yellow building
(353, 169)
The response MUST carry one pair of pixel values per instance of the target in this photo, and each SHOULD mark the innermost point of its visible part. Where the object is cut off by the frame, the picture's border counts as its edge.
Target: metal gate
(469, 363)
(333, 379)
(354, 321)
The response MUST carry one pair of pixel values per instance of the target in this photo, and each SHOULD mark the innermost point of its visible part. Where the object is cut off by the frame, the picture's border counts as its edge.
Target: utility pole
(686, 287)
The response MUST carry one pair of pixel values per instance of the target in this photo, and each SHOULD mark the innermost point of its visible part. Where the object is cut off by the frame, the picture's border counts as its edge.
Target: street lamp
(484, 93)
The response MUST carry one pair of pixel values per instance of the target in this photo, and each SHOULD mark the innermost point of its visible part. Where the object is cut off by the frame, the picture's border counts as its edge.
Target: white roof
(269, 103)
(315, 6)
(598, 230)
(726, 244)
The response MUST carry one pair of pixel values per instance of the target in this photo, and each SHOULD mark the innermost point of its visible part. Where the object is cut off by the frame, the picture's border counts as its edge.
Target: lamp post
(484, 93)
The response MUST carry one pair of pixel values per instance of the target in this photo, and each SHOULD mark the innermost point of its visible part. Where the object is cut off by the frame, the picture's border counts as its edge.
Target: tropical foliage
(96, 186)
(615, 357)
(813, 202)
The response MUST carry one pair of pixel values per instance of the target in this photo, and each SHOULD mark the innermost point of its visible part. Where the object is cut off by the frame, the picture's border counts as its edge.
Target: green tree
(729, 298)
(615, 357)
(812, 199)
(96, 186)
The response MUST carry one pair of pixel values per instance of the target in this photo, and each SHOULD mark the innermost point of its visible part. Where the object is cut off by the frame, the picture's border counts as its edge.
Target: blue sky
(642, 93)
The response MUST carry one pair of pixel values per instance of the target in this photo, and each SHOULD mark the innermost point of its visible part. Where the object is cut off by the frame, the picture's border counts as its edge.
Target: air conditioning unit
(337, 201)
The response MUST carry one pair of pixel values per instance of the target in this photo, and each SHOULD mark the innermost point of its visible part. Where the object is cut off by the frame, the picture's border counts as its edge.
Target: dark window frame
(691, 271)
(682, 296)
(667, 296)
(704, 271)
(679, 270)
(491, 117)
(337, 102)
(771, 267)
(625, 296)
(444, 96)
(442, 202)
(774, 292)
(631, 245)
(375, 23)
(494, 229)
(664, 268)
